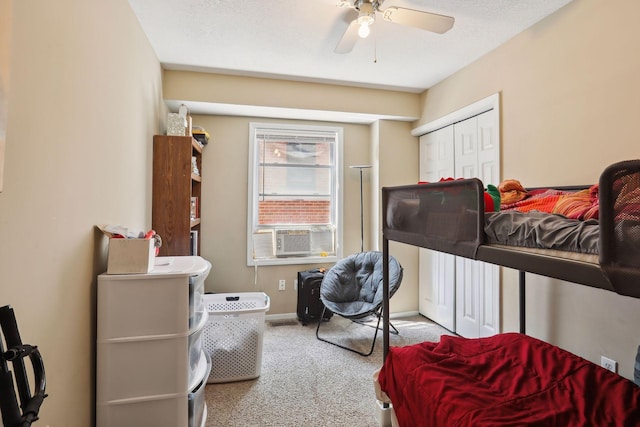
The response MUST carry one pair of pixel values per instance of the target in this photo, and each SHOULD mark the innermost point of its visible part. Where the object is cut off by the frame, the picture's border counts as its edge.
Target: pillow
(511, 191)
(491, 199)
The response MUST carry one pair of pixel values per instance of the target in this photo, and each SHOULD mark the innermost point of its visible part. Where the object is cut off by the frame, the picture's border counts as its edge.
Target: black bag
(309, 304)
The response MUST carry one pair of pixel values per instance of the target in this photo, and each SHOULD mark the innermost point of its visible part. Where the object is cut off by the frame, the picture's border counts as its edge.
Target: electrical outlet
(609, 364)
(281, 284)
(295, 284)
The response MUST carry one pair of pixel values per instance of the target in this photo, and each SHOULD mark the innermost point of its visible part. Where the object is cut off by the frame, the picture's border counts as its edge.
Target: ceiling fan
(364, 16)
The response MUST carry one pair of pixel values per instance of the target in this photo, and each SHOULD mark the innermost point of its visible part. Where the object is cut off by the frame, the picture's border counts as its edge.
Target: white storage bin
(233, 335)
(196, 300)
(150, 358)
(165, 410)
(121, 315)
(197, 406)
(157, 303)
(136, 362)
(157, 411)
(134, 366)
(196, 345)
(196, 399)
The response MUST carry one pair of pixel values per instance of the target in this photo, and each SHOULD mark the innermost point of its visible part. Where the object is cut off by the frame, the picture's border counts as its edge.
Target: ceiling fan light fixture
(366, 17)
(364, 30)
(360, 23)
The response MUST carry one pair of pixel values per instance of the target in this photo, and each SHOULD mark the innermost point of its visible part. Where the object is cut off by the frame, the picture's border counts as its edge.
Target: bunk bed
(514, 379)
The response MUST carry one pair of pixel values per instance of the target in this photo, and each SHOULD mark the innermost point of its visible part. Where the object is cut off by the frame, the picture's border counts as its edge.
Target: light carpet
(307, 382)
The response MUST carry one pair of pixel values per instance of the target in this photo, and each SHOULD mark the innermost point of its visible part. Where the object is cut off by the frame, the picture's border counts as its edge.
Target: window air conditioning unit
(322, 241)
(293, 242)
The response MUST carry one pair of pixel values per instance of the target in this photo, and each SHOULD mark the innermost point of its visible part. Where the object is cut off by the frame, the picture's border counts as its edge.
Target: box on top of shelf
(131, 256)
(176, 125)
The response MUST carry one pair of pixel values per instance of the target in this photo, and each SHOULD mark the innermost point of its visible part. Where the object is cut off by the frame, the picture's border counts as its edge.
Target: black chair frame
(359, 320)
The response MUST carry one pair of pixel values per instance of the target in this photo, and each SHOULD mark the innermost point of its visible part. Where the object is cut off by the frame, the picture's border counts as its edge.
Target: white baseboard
(404, 314)
(289, 316)
(283, 316)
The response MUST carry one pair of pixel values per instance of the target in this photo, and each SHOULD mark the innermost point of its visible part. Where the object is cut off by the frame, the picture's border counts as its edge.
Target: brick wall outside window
(294, 212)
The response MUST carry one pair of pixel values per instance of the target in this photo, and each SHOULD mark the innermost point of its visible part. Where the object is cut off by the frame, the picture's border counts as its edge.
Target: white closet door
(489, 299)
(436, 155)
(466, 148)
(477, 284)
(477, 151)
(489, 167)
(461, 294)
(437, 269)
(488, 148)
(466, 283)
(467, 293)
(437, 287)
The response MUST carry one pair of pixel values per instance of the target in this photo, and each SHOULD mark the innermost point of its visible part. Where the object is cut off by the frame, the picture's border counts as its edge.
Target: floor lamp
(361, 167)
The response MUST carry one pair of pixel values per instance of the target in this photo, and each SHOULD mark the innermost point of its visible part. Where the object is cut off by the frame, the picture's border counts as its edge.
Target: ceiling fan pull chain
(375, 49)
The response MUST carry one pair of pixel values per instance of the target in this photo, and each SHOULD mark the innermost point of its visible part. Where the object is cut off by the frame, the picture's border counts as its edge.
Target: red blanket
(505, 380)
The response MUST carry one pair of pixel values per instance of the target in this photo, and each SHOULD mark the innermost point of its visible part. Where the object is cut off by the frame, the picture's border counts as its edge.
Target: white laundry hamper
(233, 335)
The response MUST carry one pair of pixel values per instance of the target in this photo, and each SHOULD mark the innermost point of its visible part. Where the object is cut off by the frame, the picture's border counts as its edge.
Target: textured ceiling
(295, 39)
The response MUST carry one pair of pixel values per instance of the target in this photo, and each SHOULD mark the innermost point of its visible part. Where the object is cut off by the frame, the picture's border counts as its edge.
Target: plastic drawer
(197, 404)
(196, 300)
(152, 365)
(156, 411)
(198, 359)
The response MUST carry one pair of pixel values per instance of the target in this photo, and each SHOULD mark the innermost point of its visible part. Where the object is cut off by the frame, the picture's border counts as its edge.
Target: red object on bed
(581, 204)
(506, 380)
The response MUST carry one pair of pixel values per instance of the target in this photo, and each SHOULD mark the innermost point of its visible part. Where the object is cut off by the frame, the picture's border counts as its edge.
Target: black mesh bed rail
(619, 192)
(16, 352)
(445, 216)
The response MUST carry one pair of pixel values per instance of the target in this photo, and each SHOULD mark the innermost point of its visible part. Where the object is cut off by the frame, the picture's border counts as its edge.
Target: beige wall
(261, 92)
(569, 99)
(6, 11)
(398, 165)
(224, 206)
(85, 101)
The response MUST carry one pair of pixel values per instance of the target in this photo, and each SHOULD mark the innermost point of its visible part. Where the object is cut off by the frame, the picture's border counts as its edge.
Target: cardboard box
(130, 256)
(176, 125)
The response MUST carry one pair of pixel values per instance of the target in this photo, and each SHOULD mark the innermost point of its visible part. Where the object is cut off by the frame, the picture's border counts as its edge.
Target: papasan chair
(352, 289)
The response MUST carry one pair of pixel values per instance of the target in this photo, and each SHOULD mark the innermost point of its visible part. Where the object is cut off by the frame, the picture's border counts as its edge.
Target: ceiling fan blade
(349, 38)
(423, 20)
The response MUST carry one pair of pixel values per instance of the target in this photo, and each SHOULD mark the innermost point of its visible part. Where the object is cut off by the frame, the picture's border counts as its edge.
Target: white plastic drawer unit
(150, 359)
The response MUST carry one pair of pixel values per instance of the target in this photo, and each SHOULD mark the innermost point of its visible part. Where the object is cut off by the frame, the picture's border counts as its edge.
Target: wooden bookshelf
(174, 184)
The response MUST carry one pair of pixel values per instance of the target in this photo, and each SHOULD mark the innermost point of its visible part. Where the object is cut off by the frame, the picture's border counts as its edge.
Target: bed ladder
(522, 283)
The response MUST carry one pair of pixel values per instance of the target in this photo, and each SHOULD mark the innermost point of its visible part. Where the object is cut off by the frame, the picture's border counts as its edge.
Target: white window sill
(293, 260)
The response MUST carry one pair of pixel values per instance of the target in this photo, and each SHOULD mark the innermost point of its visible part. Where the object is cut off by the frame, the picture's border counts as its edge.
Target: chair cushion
(353, 286)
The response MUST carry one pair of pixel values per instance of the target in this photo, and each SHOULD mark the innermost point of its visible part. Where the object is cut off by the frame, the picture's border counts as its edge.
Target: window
(294, 209)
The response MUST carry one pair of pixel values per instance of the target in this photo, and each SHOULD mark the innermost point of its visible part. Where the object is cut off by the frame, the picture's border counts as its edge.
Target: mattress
(537, 230)
(542, 231)
(506, 380)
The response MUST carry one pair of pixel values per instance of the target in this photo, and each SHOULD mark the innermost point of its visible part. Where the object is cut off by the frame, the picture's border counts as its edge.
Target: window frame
(252, 194)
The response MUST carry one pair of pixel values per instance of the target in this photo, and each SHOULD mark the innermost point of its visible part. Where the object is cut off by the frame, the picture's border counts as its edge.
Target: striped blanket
(580, 205)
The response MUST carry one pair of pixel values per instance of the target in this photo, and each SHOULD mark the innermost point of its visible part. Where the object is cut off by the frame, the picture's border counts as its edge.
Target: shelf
(196, 146)
(174, 185)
